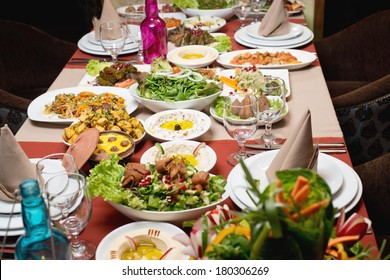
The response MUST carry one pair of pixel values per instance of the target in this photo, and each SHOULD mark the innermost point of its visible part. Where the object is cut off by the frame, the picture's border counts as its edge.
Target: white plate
(15, 224)
(206, 156)
(305, 58)
(16, 232)
(200, 120)
(259, 163)
(84, 45)
(281, 73)
(261, 123)
(306, 34)
(6, 207)
(132, 29)
(207, 23)
(115, 243)
(241, 37)
(36, 107)
(253, 31)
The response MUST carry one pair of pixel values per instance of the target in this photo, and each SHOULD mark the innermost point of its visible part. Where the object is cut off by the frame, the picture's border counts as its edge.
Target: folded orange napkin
(108, 14)
(14, 165)
(298, 150)
(275, 21)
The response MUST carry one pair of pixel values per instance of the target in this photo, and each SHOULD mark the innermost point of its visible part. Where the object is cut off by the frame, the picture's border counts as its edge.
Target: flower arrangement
(293, 219)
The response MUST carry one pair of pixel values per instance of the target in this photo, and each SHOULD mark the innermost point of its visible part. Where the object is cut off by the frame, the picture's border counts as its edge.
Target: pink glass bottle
(154, 33)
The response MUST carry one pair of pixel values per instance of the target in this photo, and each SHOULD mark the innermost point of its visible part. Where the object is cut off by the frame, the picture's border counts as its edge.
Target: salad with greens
(204, 4)
(156, 191)
(170, 84)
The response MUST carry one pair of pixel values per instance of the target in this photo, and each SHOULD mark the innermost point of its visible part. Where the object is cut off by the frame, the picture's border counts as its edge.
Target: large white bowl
(173, 217)
(226, 13)
(177, 56)
(158, 106)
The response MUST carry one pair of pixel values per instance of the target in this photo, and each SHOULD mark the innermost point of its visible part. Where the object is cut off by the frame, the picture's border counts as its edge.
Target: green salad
(187, 85)
(204, 4)
(156, 192)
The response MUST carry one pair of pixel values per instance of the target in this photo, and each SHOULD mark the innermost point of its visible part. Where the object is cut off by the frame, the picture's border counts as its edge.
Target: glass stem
(267, 136)
(76, 245)
(241, 149)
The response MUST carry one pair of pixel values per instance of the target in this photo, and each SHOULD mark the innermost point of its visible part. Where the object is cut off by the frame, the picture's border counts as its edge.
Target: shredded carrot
(311, 209)
(301, 181)
(229, 82)
(302, 194)
(346, 238)
(176, 69)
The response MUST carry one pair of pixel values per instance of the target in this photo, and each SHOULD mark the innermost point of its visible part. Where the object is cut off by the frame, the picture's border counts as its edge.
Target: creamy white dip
(200, 125)
(193, 55)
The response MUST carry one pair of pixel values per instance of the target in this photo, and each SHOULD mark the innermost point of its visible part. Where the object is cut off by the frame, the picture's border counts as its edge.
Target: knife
(278, 146)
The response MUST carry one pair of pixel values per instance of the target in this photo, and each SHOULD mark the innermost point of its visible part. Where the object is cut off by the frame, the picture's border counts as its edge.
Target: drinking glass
(240, 119)
(134, 20)
(256, 6)
(242, 12)
(70, 207)
(271, 94)
(113, 35)
(54, 164)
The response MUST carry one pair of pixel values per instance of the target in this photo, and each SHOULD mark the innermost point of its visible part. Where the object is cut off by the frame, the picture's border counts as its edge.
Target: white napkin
(14, 165)
(108, 14)
(275, 21)
(298, 150)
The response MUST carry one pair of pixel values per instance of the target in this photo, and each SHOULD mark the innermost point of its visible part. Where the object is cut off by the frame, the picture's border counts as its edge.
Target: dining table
(308, 91)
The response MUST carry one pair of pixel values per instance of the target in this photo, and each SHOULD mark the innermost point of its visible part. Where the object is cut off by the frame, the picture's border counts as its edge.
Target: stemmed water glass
(242, 12)
(271, 94)
(135, 35)
(240, 119)
(113, 35)
(256, 6)
(54, 164)
(70, 207)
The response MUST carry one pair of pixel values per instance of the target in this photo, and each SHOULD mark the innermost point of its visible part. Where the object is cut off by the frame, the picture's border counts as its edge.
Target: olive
(125, 143)
(111, 139)
(177, 127)
(102, 151)
(100, 141)
(114, 149)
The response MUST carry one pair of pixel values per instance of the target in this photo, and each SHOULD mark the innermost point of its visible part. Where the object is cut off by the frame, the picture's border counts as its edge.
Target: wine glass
(256, 6)
(271, 94)
(113, 35)
(240, 119)
(54, 164)
(134, 20)
(242, 12)
(70, 207)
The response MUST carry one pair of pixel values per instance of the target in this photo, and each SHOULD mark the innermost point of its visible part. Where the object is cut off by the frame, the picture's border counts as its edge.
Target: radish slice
(166, 253)
(132, 242)
(200, 146)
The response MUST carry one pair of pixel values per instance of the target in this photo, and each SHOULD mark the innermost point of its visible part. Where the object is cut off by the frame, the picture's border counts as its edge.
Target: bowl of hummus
(198, 154)
(193, 56)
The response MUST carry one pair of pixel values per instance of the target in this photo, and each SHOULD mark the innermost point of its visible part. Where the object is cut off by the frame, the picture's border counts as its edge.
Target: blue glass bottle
(154, 33)
(40, 241)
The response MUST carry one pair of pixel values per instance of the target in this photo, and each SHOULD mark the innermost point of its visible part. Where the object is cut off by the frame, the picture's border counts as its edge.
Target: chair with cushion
(31, 60)
(364, 117)
(357, 55)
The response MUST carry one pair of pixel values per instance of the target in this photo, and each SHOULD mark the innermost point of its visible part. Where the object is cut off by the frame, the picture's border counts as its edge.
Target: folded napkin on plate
(108, 14)
(275, 21)
(298, 151)
(14, 165)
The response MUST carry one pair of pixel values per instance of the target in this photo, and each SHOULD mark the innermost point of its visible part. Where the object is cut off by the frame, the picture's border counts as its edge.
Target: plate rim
(210, 29)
